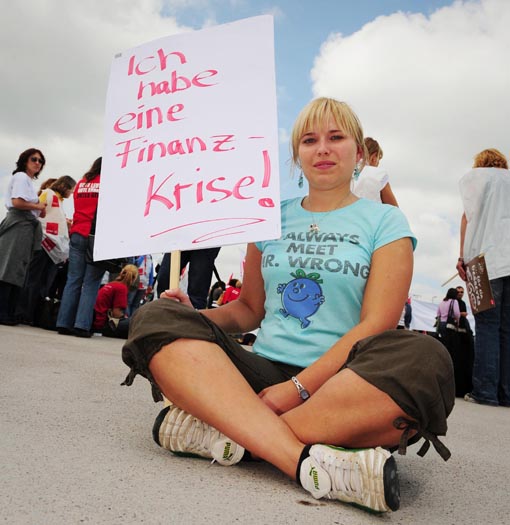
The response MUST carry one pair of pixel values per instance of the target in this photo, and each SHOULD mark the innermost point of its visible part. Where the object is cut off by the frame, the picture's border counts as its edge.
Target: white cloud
(283, 136)
(56, 58)
(434, 92)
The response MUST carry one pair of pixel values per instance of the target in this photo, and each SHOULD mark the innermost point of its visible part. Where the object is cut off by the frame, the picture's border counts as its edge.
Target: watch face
(304, 394)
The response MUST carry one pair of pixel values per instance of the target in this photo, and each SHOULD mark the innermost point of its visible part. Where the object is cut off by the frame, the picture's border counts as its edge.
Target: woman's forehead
(327, 124)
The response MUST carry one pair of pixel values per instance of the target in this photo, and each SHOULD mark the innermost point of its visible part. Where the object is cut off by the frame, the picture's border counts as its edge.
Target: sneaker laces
(346, 475)
(198, 436)
(184, 434)
(363, 477)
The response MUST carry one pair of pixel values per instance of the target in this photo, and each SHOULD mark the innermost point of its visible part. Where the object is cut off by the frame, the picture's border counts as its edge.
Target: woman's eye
(308, 140)
(337, 137)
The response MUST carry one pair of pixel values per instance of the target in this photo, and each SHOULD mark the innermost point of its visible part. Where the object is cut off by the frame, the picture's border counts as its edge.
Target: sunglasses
(36, 159)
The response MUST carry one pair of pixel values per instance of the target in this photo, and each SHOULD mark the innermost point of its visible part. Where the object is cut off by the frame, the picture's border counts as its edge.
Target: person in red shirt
(232, 292)
(111, 304)
(83, 280)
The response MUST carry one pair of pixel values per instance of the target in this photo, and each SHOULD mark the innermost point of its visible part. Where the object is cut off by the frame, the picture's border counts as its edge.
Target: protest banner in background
(191, 143)
(478, 285)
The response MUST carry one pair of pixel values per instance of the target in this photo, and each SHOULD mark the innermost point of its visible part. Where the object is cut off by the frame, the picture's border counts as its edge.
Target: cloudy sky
(428, 78)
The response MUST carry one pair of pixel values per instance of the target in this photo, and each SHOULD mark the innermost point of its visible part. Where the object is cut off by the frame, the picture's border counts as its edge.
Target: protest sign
(478, 285)
(191, 143)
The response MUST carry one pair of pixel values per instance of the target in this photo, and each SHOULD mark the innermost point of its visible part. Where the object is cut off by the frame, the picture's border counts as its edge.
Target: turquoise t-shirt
(314, 281)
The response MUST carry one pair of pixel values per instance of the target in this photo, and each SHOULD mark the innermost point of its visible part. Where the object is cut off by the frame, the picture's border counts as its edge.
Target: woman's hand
(176, 294)
(42, 207)
(281, 398)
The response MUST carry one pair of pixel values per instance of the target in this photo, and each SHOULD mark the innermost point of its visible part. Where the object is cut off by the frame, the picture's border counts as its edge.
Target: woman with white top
(20, 231)
(373, 182)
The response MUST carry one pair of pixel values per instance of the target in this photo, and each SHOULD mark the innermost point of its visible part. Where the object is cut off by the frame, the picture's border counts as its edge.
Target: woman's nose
(323, 147)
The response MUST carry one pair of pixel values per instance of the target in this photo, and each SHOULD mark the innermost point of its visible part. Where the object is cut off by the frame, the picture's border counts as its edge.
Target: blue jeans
(491, 369)
(83, 281)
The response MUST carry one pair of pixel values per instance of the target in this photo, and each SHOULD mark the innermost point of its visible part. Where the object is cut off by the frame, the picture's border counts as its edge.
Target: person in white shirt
(484, 228)
(373, 182)
(20, 231)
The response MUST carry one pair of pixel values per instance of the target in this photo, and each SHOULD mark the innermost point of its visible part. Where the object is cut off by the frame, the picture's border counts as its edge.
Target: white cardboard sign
(191, 153)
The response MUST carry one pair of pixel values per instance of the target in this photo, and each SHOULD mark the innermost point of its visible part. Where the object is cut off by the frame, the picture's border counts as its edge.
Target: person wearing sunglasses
(20, 231)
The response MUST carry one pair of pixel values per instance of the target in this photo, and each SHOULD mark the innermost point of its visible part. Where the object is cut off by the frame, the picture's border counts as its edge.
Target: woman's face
(68, 193)
(374, 159)
(328, 156)
(34, 164)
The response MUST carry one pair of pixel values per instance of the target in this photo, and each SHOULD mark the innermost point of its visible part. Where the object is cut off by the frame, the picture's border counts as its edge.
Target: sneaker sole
(157, 424)
(391, 484)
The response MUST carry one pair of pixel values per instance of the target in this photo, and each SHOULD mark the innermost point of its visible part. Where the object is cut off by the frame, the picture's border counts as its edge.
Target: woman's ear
(359, 154)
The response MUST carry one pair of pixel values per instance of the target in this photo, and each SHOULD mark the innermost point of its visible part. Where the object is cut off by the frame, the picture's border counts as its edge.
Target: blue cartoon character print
(302, 296)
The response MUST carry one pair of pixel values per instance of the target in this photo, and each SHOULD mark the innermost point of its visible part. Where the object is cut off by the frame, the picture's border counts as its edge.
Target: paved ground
(76, 447)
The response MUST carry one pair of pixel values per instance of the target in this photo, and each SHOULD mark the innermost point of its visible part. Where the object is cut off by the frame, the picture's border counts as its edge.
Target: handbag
(108, 265)
(46, 314)
(451, 322)
(55, 241)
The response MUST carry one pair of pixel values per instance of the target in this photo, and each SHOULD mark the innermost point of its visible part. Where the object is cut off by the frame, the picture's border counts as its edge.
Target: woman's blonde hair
(128, 275)
(490, 158)
(316, 112)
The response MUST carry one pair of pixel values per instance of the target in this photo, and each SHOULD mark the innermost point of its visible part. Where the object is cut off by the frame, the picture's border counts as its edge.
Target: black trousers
(41, 274)
(201, 265)
(8, 299)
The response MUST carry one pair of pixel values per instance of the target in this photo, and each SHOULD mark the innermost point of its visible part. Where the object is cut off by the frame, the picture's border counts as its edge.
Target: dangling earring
(300, 180)
(356, 172)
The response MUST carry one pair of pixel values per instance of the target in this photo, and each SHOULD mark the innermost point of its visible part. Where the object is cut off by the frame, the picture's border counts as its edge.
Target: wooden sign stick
(175, 269)
(175, 275)
(450, 279)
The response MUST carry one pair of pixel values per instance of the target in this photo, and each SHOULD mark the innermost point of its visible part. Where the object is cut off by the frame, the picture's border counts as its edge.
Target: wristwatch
(302, 391)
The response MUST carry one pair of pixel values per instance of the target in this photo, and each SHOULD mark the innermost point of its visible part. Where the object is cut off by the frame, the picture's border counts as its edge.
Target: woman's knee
(182, 352)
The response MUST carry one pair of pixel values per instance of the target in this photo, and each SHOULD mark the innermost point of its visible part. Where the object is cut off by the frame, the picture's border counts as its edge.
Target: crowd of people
(329, 387)
(43, 258)
(47, 277)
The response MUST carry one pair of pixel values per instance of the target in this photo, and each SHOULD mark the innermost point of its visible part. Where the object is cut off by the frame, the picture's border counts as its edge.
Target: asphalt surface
(76, 447)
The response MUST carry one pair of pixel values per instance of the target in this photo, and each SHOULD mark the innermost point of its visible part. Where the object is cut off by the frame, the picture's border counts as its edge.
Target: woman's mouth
(323, 164)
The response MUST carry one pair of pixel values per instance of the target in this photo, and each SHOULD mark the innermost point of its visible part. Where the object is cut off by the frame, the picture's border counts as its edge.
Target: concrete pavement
(76, 447)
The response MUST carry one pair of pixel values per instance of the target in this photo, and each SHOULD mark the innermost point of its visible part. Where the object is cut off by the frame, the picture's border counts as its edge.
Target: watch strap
(302, 391)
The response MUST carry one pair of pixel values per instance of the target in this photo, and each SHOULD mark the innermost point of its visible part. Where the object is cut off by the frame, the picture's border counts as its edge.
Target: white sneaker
(185, 435)
(366, 478)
